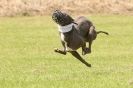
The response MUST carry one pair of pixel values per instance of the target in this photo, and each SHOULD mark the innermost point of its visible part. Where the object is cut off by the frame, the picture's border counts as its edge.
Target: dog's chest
(65, 37)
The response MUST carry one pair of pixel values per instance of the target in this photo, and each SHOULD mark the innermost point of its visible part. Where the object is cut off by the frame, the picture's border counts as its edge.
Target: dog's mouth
(61, 18)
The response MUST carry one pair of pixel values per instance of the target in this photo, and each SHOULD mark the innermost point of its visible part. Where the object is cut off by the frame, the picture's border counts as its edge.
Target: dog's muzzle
(57, 16)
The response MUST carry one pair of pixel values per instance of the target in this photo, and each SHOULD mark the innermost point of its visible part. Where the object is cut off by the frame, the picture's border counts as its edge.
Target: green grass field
(27, 59)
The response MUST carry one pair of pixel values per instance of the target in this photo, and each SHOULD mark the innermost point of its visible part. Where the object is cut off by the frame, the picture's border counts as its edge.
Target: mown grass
(27, 59)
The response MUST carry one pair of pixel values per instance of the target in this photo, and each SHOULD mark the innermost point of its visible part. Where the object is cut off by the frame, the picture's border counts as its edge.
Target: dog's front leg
(61, 51)
(87, 50)
(77, 56)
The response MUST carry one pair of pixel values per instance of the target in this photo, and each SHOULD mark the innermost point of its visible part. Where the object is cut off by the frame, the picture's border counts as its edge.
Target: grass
(27, 59)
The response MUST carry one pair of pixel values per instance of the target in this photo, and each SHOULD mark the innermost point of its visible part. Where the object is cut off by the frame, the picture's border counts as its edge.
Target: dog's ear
(71, 18)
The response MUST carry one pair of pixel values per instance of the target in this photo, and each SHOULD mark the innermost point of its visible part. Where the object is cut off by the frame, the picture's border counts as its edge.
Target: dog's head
(61, 18)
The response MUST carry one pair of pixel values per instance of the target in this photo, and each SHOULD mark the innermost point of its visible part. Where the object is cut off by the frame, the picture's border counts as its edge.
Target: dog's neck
(65, 29)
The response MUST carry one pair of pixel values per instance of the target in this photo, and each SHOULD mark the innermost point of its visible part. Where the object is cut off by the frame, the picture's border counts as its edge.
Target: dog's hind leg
(89, 48)
(77, 56)
(84, 49)
(91, 36)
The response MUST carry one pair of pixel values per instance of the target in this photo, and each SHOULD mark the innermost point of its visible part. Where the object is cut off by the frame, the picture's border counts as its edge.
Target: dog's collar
(64, 29)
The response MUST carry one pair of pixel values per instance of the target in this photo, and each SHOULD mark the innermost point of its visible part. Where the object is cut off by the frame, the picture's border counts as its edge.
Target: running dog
(75, 33)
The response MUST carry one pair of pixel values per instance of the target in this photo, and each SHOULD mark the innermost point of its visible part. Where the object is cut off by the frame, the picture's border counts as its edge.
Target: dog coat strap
(64, 29)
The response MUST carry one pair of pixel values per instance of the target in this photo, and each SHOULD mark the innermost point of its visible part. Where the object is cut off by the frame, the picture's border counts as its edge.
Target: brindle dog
(75, 34)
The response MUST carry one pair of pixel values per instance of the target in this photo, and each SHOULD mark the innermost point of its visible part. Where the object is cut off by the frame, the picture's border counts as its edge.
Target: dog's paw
(56, 50)
(59, 51)
(88, 50)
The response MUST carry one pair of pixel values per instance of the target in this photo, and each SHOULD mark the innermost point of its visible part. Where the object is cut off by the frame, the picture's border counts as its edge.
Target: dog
(75, 33)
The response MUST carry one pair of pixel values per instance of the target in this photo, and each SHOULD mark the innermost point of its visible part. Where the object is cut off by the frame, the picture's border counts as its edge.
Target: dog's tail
(102, 32)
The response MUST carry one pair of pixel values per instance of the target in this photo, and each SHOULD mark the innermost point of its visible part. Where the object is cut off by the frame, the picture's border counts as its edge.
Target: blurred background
(45, 7)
